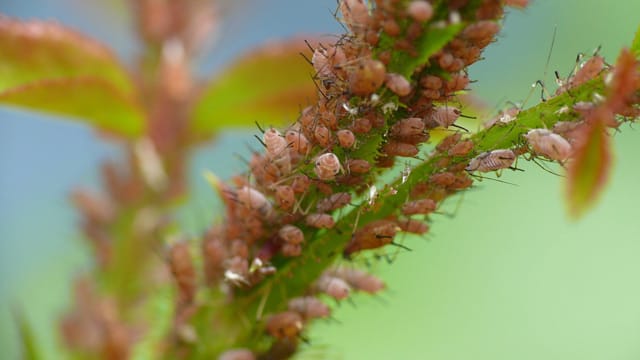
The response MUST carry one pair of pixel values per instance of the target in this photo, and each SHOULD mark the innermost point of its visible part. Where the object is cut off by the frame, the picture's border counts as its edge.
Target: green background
(509, 277)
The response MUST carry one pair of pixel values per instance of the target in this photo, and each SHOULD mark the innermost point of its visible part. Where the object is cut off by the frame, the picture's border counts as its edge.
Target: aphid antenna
(480, 177)
(314, 79)
(461, 127)
(263, 302)
(309, 45)
(306, 58)
(400, 246)
(260, 128)
(533, 158)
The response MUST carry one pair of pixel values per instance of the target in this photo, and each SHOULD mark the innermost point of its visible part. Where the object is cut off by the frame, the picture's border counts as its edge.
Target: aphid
(359, 279)
(285, 197)
(367, 77)
(346, 138)
(395, 148)
(358, 166)
(503, 117)
(309, 307)
(275, 143)
(361, 125)
(237, 354)
(462, 148)
(333, 202)
(407, 127)
(95, 208)
(549, 144)
(431, 82)
(443, 179)
(420, 10)
(517, 3)
(372, 236)
(446, 60)
(333, 286)
(239, 248)
(300, 183)
(183, 270)
(422, 206)
(213, 254)
(391, 27)
(445, 116)
(291, 234)
(448, 142)
(237, 271)
(297, 141)
(355, 14)
(398, 84)
(492, 160)
(413, 226)
(322, 134)
(481, 33)
(284, 325)
(253, 199)
(327, 166)
(457, 82)
(462, 181)
(320, 221)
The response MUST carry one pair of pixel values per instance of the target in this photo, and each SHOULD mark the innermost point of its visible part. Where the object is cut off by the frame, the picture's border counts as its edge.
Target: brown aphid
(361, 125)
(374, 235)
(328, 118)
(395, 148)
(549, 144)
(442, 163)
(327, 166)
(333, 202)
(445, 116)
(366, 77)
(414, 30)
(391, 27)
(309, 307)
(446, 60)
(285, 197)
(322, 134)
(253, 200)
(237, 354)
(481, 33)
(398, 84)
(300, 183)
(462, 148)
(385, 57)
(413, 226)
(359, 280)
(420, 10)
(275, 143)
(298, 142)
(413, 139)
(285, 325)
(407, 127)
(431, 82)
(358, 166)
(333, 286)
(448, 142)
(443, 179)
(293, 238)
(320, 221)
(213, 255)
(492, 160)
(457, 82)
(385, 161)
(346, 138)
(355, 14)
(588, 70)
(462, 181)
(183, 270)
(422, 206)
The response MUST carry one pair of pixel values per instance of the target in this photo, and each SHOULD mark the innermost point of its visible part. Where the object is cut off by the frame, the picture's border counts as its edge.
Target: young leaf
(37, 50)
(47, 67)
(269, 85)
(635, 46)
(588, 171)
(30, 350)
(92, 99)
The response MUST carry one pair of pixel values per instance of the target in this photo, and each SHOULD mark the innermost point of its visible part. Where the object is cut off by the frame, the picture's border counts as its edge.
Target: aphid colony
(314, 169)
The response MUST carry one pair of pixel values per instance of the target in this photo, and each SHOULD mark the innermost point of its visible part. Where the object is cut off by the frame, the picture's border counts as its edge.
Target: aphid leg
(263, 302)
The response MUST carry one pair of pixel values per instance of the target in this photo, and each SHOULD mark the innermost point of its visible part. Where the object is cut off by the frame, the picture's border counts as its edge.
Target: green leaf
(47, 67)
(30, 350)
(37, 50)
(635, 46)
(434, 39)
(268, 85)
(93, 100)
(589, 170)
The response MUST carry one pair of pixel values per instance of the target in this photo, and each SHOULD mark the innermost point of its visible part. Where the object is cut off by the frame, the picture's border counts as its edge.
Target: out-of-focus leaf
(94, 100)
(635, 46)
(47, 67)
(268, 85)
(30, 350)
(588, 171)
(37, 50)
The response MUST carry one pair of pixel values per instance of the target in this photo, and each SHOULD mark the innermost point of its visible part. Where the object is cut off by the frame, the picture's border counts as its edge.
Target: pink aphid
(297, 141)
(445, 116)
(333, 202)
(320, 221)
(285, 197)
(276, 144)
(407, 127)
(346, 138)
(309, 307)
(549, 144)
(422, 206)
(492, 161)
(253, 200)
(359, 279)
(237, 354)
(420, 10)
(334, 287)
(398, 84)
(355, 14)
(292, 238)
(327, 166)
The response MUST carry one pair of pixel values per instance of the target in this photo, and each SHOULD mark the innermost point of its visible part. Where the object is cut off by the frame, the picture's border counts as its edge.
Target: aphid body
(549, 144)
(492, 160)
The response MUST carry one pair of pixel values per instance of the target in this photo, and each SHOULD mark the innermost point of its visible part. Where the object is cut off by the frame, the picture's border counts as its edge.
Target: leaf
(94, 100)
(47, 67)
(434, 39)
(268, 85)
(635, 46)
(588, 171)
(30, 350)
(37, 50)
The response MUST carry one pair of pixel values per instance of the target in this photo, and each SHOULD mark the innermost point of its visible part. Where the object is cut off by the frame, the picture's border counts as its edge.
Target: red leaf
(625, 82)
(588, 171)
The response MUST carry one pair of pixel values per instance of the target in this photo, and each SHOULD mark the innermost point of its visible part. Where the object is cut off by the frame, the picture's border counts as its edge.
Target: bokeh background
(509, 277)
